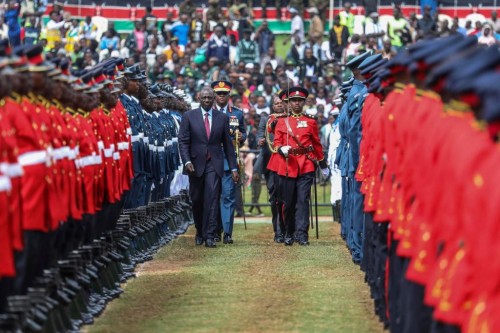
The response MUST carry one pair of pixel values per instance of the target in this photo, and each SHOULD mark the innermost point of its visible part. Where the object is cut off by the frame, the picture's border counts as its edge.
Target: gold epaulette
(15, 96)
(399, 86)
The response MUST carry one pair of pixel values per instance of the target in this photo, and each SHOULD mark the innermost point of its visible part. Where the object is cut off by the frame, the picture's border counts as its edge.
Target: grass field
(253, 285)
(323, 198)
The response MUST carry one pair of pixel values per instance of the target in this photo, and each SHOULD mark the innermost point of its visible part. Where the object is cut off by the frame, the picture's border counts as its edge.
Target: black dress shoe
(303, 243)
(279, 239)
(217, 238)
(288, 241)
(210, 243)
(227, 239)
(198, 240)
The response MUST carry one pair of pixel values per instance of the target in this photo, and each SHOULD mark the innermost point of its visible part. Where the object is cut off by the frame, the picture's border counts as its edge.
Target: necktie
(207, 125)
(207, 129)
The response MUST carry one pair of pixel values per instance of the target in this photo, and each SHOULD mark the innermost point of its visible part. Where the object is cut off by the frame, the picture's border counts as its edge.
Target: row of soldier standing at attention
(418, 156)
(77, 151)
(293, 154)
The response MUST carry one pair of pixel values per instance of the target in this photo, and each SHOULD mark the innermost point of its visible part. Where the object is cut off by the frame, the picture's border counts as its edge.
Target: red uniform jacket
(305, 129)
(275, 158)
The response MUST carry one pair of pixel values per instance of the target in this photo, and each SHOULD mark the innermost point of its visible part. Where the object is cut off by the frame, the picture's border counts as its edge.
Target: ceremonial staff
(241, 171)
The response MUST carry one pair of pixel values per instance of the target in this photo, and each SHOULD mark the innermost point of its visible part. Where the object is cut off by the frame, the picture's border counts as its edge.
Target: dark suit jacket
(194, 144)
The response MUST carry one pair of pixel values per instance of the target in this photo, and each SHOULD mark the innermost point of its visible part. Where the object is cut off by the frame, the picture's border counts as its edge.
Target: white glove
(284, 150)
(325, 172)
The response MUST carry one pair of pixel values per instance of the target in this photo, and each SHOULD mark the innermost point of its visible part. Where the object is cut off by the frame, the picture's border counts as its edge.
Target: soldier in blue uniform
(136, 119)
(341, 160)
(237, 128)
(353, 140)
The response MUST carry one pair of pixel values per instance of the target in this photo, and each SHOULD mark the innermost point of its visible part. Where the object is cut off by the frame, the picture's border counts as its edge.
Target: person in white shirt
(373, 28)
(297, 24)
(262, 106)
(335, 178)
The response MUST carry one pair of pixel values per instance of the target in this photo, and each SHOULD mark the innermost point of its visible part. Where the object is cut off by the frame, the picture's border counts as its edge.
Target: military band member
(269, 152)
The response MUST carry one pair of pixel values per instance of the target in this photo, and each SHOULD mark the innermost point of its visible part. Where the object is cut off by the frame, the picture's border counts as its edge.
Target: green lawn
(254, 285)
(323, 198)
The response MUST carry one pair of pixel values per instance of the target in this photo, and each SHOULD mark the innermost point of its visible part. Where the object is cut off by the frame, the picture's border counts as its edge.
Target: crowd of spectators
(191, 48)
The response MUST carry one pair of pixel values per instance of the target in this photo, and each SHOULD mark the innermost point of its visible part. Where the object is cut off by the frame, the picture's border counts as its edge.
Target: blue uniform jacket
(354, 131)
(232, 111)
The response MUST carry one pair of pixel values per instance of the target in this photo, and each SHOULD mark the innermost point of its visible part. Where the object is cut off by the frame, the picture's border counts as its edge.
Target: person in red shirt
(297, 140)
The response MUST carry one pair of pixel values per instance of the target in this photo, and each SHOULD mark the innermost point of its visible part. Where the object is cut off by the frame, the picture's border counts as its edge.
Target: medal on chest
(301, 124)
(233, 121)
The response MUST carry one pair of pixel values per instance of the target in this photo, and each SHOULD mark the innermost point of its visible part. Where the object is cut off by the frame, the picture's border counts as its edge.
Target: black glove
(273, 124)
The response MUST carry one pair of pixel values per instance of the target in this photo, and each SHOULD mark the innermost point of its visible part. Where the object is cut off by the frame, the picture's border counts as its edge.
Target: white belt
(33, 158)
(100, 144)
(60, 153)
(12, 170)
(108, 152)
(129, 131)
(5, 184)
(85, 161)
(151, 147)
(161, 149)
(88, 160)
(116, 156)
(169, 143)
(145, 140)
(112, 147)
(141, 135)
(72, 154)
(135, 138)
(123, 145)
(65, 151)
(175, 139)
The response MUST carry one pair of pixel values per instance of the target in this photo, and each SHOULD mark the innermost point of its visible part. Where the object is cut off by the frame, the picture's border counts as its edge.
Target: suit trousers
(296, 194)
(227, 202)
(205, 193)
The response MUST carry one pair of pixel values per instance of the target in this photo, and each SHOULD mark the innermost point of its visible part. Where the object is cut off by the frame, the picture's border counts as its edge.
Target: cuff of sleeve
(188, 162)
(233, 170)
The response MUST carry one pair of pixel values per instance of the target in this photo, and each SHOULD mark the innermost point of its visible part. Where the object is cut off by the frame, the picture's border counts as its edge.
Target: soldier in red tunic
(297, 140)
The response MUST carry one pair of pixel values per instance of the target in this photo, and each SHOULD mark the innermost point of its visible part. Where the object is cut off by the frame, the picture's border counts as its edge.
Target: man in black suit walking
(202, 133)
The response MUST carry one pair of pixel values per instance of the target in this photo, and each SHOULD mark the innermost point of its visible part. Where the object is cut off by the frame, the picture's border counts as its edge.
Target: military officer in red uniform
(272, 178)
(297, 140)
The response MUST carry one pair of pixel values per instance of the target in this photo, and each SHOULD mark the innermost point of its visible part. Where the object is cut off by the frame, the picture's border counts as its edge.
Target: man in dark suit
(202, 133)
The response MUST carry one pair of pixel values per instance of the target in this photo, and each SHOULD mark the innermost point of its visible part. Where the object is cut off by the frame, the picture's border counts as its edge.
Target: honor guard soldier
(238, 135)
(272, 179)
(297, 140)
(353, 137)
